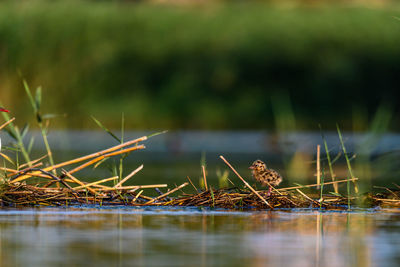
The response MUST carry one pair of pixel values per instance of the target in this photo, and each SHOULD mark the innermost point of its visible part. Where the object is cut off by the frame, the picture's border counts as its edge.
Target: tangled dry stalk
(32, 184)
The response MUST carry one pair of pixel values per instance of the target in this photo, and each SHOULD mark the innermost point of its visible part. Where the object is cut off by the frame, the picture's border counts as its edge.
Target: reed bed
(34, 185)
(45, 183)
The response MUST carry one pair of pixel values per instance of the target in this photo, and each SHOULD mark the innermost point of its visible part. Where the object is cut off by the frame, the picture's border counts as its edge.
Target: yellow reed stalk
(195, 188)
(7, 123)
(204, 177)
(23, 170)
(32, 162)
(166, 194)
(137, 196)
(129, 176)
(14, 172)
(97, 182)
(314, 185)
(307, 197)
(78, 181)
(123, 151)
(134, 187)
(100, 157)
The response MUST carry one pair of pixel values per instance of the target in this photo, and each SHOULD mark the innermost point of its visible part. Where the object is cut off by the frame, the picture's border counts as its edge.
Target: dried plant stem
(314, 185)
(97, 182)
(307, 197)
(246, 184)
(31, 163)
(133, 187)
(7, 123)
(166, 194)
(100, 155)
(129, 176)
(195, 188)
(137, 196)
(204, 177)
(318, 166)
(78, 182)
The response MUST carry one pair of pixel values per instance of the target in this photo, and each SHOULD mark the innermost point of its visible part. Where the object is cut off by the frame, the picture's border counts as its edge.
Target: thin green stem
(347, 158)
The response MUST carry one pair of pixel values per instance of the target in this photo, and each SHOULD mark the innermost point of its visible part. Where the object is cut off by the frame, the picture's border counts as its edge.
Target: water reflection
(139, 237)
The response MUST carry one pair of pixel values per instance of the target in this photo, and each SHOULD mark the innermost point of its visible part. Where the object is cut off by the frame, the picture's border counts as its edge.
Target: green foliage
(225, 66)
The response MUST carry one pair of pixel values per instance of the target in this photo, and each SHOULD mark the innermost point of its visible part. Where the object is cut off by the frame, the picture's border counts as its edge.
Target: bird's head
(3, 109)
(258, 165)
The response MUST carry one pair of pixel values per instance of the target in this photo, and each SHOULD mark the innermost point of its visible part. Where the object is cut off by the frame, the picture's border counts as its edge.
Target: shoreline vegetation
(35, 184)
(223, 66)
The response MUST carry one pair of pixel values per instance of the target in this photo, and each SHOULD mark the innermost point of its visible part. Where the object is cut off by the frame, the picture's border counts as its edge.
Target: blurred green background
(210, 65)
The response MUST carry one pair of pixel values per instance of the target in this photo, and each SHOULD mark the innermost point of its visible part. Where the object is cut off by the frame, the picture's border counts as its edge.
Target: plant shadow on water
(193, 237)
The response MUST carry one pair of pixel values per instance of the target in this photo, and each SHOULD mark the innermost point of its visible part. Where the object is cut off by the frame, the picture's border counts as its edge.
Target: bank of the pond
(223, 66)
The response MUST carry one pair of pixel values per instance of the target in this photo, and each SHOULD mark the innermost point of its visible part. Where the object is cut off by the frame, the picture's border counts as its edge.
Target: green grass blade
(38, 97)
(335, 186)
(347, 158)
(30, 97)
(105, 129)
(158, 133)
(30, 145)
(212, 196)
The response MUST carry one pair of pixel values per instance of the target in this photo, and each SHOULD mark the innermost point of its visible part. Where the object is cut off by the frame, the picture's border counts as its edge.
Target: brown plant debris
(40, 186)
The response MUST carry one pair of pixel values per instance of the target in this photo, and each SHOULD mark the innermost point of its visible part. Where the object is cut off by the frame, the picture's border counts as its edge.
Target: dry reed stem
(7, 123)
(96, 154)
(9, 170)
(93, 161)
(195, 188)
(133, 187)
(129, 176)
(387, 200)
(166, 194)
(6, 157)
(307, 197)
(137, 196)
(24, 170)
(204, 177)
(314, 185)
(318, 166)
(78, 181)
(32, 162)
(97, 182)
(246, 184)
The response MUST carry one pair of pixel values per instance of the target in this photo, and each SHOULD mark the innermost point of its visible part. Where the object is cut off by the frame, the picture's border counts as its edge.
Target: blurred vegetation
(214, 66)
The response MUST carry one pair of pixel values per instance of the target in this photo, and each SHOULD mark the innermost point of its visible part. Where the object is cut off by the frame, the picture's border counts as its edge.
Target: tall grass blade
(328, 156)
(36, 104)
(347, 158)
(158, 133)
(14, 132)
(105, 129)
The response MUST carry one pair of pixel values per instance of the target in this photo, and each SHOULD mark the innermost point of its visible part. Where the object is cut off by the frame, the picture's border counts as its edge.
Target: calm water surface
(191, 237)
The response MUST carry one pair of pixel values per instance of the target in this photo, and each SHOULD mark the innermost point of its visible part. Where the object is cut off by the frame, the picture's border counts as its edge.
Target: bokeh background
(238, 66)
(203, 64)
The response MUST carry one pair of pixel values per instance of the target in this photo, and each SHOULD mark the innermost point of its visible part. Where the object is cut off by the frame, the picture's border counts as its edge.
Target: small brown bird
(267, 177)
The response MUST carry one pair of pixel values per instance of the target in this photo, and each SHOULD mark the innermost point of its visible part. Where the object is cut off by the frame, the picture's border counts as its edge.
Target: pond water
(80, 236)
